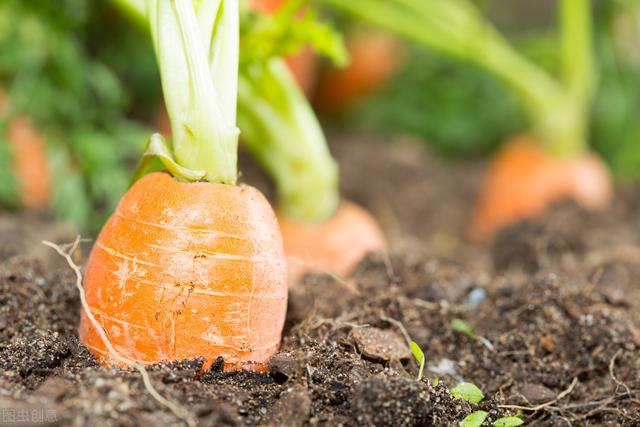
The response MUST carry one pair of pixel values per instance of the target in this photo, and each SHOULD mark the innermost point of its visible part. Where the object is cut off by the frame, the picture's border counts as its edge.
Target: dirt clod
(380, 344)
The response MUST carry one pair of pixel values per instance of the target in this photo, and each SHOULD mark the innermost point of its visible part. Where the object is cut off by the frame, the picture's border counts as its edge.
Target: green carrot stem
(281, 131)
(578, 64)
(457, 28)
(198, 56)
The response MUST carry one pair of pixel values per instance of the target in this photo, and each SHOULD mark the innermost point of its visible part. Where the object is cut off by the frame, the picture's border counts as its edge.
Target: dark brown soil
(552, 305)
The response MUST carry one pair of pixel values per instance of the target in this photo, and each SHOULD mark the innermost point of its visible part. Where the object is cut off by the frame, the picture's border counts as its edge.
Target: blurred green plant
(445, 102)
(616, 114)
(460, 110)
(75, 100)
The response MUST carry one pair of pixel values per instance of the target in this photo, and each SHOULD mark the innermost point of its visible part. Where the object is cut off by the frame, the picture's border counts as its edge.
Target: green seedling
(508, 422)
(474, 419)
(419, 355)
(467, 392)
(463, 327)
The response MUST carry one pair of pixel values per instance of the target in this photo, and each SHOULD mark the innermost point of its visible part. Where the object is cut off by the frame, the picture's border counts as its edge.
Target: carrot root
(334, 246)
(523, 181)
(183, 270)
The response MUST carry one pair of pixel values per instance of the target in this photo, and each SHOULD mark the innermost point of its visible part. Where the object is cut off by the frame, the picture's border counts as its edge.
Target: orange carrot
(335, 245)
(191, 265)
(375, 57)
(183, 270)
(30, 162)
(523, 180)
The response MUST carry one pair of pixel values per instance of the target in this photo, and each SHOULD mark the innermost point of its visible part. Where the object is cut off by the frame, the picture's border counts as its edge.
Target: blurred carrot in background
(558, 111)
(30, 163)
(374, 57)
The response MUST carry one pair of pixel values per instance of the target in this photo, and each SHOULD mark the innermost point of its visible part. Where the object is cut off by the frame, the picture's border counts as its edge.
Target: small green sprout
(467, 392)
(463, 327)
(508, 422)
(419, 355)
(436, 381)
(474, 419)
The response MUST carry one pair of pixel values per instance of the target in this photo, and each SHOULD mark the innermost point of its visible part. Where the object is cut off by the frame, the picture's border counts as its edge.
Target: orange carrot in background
(526, 177)
(375, 56)
(30, 163)
(335, 245)
(185, 268)
(523, 180)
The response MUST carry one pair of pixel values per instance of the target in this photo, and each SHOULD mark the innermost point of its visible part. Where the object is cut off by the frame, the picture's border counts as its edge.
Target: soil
(553, 332)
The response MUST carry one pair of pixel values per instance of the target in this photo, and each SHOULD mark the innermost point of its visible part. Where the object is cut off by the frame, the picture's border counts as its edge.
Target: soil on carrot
(553, 329)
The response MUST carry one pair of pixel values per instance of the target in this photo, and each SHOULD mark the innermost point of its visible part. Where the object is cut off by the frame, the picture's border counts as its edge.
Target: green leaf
(474, 419)
(467, 392)
(293, 27)
(419, 355)
(508, 422)
(463, 327)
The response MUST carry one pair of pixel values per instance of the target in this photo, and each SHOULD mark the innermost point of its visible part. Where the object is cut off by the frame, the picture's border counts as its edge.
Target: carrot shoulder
(523, 180)
(191, 265)
(335, 245)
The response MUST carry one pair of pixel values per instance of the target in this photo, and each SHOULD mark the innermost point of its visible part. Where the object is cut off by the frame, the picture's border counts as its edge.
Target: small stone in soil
(380, 344)
(536, 393)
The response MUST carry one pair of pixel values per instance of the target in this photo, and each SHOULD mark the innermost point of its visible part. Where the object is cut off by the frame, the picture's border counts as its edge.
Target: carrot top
(557, 106)
(197, 50)
(278, 125)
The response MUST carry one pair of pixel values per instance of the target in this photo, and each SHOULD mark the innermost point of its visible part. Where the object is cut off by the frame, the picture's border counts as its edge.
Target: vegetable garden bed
(544, 323)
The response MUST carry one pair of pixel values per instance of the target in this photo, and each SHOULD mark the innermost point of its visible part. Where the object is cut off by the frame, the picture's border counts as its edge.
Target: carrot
(528, 174)
(523, 181)
(171, 278)
(191, 265)
(335, 245)
(280, 130)
(28, 160)
(30, 163)
(375, 57)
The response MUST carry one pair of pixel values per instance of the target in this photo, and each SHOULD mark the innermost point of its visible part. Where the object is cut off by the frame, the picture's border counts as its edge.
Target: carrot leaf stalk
(197, 50)
(457, 28)
(278, 125)
(282, 132)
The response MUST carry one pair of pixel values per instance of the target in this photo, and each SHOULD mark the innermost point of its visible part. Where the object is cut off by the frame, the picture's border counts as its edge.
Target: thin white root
(66, 251)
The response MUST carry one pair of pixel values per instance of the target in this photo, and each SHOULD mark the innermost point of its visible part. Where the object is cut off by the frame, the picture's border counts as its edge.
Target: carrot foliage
(556, 106)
